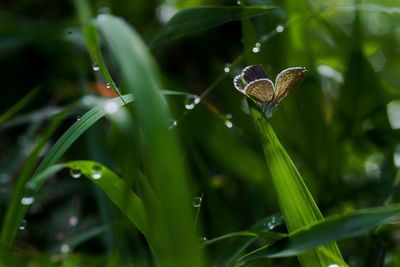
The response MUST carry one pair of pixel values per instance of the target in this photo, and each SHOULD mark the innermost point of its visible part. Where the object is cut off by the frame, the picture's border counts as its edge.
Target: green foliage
(176, 129)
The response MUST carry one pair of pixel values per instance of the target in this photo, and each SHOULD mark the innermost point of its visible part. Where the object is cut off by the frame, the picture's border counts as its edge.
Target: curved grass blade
(296, 203)
(192, 20)
(19, 105)
(16, 209)
(236, 248)
(92, 43)
(170, 223)
(331, 229)
(115, 188)
(76, 130)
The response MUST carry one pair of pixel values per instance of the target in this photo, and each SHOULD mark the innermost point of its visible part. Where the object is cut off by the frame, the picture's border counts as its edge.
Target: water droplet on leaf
(228, 123)
(227, 68)
(197, 202)
(96, 172)
(95, 67)
(280, 28)
(191, 101)
(22, 226)
(75, 173)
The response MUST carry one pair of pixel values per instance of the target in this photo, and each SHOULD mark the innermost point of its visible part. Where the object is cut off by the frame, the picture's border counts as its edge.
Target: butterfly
(254, 83)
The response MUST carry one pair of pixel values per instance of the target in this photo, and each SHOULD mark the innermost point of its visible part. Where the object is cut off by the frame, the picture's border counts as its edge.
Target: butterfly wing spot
(252, 73)
(286, 81)
(261, 90)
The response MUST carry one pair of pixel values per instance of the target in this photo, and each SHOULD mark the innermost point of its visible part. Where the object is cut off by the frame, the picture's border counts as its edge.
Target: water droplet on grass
(96, 172)
(228, 123)
(203, 238)
(272, 223)
(191, 101)
(108, 85)
(27, 200)
(23, 224)
(75, 173)
(29, 195)
(280, 28)
(197, 202)
(256, 50)
(95, 67)
(227, 68)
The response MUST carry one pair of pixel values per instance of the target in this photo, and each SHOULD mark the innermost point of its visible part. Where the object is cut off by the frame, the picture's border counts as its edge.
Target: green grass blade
(296, 203)
(331, 229)
(76, 130)
(171, 223)
(16, 209)
(115, 188)
(236, 248)
(92, 42)
(18, 106)
(191, 20)
(16, 212)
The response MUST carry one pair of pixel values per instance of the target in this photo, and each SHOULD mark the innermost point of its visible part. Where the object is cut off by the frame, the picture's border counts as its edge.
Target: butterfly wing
(261, 90)
(252, 73)
(286, 81)
(237, 82)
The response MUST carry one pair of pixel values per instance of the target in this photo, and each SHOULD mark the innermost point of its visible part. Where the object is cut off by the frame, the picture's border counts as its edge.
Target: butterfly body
(254, 83)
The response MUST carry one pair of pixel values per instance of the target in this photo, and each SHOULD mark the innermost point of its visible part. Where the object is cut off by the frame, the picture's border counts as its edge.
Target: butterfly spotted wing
(252, 73)
(261, 90)
(286, 81)
(256, 84)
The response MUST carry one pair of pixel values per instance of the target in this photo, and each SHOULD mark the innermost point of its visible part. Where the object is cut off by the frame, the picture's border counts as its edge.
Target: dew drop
(280, 28)
(108, 85)
(27, 200)
(191, 101)
(22, 226)
(75, 173)
(256, 50)
(95, 67)
(272, 223)
(65, 248)
(78, 118)
(96, 172)
(197, 202)
(203, 238)
(228, 123)
(333, 265)
(227, 68)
